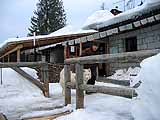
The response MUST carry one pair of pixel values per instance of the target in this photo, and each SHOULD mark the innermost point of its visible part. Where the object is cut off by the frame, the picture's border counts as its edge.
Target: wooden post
(8, 57)
(65, 52)
(80, 48)
(79, 82)
(45, 78)
(18, 55)
(67, 78)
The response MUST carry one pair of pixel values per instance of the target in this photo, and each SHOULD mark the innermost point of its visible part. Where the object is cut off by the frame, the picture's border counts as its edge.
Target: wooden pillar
(18, 55)
(45, 78)
(8, 57)
(67, 78)
(79, 82)
(65, 52)
(80, 49)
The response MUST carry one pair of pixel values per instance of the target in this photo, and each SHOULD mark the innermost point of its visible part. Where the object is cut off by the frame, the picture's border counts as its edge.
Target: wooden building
(134, 30)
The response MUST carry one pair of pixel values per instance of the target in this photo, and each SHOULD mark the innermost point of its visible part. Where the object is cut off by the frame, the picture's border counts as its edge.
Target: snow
(21, 99)
(69, 30)
(146, 106)
(129, 14)
(126, 74)
(98, 17)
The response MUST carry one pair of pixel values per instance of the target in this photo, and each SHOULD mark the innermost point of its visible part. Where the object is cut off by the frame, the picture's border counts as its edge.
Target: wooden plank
(45, 78)
(52, 117)
(12, 50)
(21, 64)
(79, 82)
(67, 78)
(116, 91)
(28, 77)
(129, 56)
(18, 55)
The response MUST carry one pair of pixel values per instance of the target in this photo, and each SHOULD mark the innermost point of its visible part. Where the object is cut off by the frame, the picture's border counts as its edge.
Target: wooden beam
(129, 56)
(65, 52)
(8, 57)
(21, 64)
(116, 91)
(80, 48)
(45, 78)
(79, 82)
(18, 55)
(13, 50)
(67, 78)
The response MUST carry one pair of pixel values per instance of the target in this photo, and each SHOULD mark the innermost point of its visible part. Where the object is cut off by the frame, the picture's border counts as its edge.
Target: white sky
(16, 14)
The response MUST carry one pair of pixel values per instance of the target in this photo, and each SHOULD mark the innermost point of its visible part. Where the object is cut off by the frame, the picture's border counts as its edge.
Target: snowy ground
(20, 99)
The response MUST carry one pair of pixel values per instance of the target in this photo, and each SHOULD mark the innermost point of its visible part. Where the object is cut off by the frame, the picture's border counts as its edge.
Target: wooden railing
(109, 58)
(44, 86)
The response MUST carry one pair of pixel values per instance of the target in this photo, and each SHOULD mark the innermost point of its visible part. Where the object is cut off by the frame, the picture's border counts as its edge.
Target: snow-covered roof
(66, 31)
(70, 30)
(98, 17)
(127, 15)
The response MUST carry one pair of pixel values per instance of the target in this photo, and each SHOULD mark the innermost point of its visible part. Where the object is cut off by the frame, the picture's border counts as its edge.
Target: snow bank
(124, 74)
(146, 106)
(14, 85)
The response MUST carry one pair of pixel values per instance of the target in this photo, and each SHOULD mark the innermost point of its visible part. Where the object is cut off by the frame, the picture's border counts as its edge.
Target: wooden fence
(44, 73)
(80, 87)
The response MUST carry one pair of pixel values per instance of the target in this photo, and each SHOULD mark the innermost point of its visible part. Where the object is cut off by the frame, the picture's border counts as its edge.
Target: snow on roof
(70, 30)
(67, 30)
(98, 17)
(130, 14)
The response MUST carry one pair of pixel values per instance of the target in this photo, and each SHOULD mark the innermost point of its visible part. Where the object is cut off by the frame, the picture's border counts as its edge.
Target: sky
(16, 14)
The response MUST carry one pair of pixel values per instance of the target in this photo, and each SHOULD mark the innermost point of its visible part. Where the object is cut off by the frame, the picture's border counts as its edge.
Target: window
(131, 44)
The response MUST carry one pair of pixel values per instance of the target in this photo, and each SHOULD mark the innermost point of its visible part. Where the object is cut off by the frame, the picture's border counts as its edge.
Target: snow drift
(18, 86)
(146, 106)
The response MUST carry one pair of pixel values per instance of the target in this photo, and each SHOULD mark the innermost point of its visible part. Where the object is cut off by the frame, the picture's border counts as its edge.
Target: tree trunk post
(45, 78)
(67, 78)
(79, 82)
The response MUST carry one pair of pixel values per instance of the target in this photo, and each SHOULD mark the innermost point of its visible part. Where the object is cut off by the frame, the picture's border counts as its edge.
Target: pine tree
(49, 17)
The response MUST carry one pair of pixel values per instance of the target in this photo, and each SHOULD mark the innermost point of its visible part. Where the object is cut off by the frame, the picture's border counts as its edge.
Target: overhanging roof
(27, 42)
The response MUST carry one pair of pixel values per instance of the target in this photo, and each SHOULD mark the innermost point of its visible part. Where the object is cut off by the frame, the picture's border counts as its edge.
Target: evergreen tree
(49, 17)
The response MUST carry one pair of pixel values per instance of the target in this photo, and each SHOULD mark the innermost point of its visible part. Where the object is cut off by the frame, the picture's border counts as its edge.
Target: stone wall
(147, 38)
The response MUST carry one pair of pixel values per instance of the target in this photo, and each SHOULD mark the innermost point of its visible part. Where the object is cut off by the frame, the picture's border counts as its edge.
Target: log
(21, 64)
(128, 56)
(116, 91)
(45, 78)
(67, 78)
(114, 81)
(28, 77)
(79, 91)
